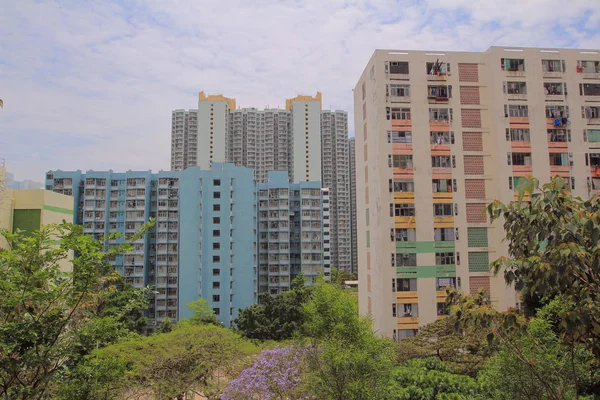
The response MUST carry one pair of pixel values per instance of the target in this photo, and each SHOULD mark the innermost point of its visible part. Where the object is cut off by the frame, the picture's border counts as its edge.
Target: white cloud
(92, 85)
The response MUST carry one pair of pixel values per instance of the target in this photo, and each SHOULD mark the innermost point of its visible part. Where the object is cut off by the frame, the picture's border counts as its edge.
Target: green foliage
(338, 277)
(203, 314)
(431, 379)
(45, 312)
(554, 247)
(346, 359)
(192, 358)
(538, 365)
(463, 352)
(165, 326)
(276, 317)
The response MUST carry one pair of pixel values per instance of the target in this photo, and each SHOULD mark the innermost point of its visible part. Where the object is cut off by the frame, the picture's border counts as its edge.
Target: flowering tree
(275, 375)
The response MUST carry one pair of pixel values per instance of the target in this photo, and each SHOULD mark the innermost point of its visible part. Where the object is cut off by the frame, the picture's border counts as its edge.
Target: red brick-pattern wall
(474, 188)
(366, 173)
(366, 195)
(369, 283)
(476, 282)
(474, 213)
(471, 118)
(365, 132)
(365, 152)
(472, 141)
(473, 165)
(469, 95)
(468, 73)
(370, 306)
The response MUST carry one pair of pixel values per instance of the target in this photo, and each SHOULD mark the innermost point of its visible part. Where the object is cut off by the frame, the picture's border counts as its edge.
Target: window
(216, 233)
(216, 246)
(557, 111)
(442, 309)
(518, 111)
(398, 90)
(443, 234)
(444, 259)
(440, 162)
(216, 182)
(216, 220)
(406, 260)
(442, 210)
(553, 66)
(593, 135)
(216, 298)
(439, 92)
(559, 135)
(589, 89)
(408, 310)
(406, 285)
(216, 285)
(521, 159)
(441, 138)
(437, 68)
(553, 88)
(397, 67)
(216, 272)
(402, 161)
(217, 311)
(513, 64)
(402, 185)
(216, 195)
(588, 112)
(216, 259)
(398, 113)
(443, 283)
(403, 234)
(587, 67)
(442, 185)
(440, 114)
(216, 207)
(515, 87)
(399, 137)
(559, 159)
(517, 135)
(404, 210)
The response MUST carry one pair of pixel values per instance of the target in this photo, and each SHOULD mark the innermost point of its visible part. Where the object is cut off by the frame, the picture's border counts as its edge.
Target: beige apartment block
(439, 135)
(30, 210)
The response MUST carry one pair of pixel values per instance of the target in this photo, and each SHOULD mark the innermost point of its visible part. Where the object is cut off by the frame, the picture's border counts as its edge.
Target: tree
(554, 250)
(339, 277)
(275, 374)
(191, 358)
(165, 326)
(538, 365)
(203, 314)
(346, 359)
(43, 311)
(276, 317)
(430, 379)
(462, 352)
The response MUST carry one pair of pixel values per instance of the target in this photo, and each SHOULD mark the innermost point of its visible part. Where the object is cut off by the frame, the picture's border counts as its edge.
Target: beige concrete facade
(438, 136)
(30, 210)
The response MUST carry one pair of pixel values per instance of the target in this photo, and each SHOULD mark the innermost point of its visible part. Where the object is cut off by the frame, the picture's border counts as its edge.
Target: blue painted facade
(176, 257)
(218, 241)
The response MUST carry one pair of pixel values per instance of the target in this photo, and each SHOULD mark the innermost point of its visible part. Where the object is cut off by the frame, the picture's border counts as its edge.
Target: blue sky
(91, 85)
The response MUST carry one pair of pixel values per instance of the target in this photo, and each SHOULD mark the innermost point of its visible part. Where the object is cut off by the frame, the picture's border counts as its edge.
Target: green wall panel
(424, 247)
(477, 237)
(27, 220)
(426, 271)
(479, 261)
(58, 209)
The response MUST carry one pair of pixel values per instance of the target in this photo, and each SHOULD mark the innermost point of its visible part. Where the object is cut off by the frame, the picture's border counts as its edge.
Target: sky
(91, 84)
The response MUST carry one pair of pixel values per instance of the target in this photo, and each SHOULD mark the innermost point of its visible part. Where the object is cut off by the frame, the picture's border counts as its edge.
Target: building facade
(293, 232)
(336, 177)
(108, 202)
(352, 176)
(309, 143)
(441, 135)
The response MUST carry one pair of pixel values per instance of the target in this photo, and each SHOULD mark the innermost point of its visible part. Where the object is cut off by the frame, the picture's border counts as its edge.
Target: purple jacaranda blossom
(275, 375)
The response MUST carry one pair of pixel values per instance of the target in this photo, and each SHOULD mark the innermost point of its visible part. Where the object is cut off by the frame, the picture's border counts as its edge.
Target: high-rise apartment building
(293, 232)
(335, 176)
(190, 252)
(184, 139)
(352, 175)
(309, 143)
(438, 137)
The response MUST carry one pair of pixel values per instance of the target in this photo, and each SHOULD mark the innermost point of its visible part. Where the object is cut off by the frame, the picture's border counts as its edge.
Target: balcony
(440, 296)
(518, 120)
(443, 222)
(407, 295)
(445, 196)
(404, 195)
(408, 320)
(560, 170)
